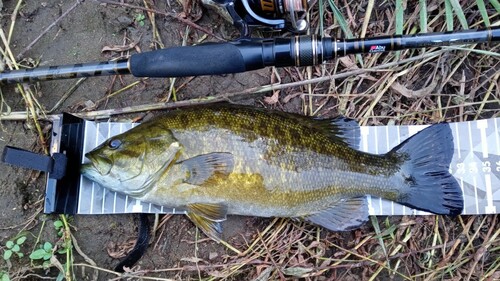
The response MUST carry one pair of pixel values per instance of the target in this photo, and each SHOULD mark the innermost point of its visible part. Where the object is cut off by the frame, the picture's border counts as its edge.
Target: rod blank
(65, 71)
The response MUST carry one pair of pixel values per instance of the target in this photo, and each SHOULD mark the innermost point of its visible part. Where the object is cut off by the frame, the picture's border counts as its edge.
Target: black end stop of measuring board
(55, 165)
(61, 196)
(62, 167)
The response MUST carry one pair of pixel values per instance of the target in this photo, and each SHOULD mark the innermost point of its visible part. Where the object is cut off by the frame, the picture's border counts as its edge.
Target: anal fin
(212, 229)
(347, 214)
(208, 218)
(214, 212)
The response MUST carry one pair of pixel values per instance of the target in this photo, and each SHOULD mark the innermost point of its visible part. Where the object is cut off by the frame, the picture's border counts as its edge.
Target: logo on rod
(377, 49)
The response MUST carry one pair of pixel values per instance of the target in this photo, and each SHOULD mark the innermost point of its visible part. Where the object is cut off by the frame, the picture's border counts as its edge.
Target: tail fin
(427, 183)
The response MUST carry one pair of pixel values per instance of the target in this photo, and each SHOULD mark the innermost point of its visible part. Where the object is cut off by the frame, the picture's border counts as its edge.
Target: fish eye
(114, 143)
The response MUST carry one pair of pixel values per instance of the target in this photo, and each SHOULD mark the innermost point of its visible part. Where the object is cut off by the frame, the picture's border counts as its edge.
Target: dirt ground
(80, 37)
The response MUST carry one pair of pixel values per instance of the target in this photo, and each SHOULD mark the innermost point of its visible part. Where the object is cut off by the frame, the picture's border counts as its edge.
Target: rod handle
(233, 57)
(205, 59)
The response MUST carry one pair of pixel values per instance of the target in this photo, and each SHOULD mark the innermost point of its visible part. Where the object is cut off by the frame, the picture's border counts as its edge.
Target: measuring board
(475, 165)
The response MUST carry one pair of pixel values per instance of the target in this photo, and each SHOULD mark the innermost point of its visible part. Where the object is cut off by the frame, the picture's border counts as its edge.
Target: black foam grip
(205, 59)
(27, 159)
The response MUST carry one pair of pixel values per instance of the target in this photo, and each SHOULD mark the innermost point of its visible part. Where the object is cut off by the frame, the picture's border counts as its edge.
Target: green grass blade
(343, 25)
(379, 236)
(399, 23)
(460, 13)
(448, 15)
(340, 18)
(495, 4)
(321, 17)
(482, 10)
(399, 17)
(423, 16)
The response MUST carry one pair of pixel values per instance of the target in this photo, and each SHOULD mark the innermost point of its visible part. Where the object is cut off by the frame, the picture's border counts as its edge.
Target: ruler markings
(457, 137)
(490, 208)
(497, 136)
(474, 180)
(482, 125)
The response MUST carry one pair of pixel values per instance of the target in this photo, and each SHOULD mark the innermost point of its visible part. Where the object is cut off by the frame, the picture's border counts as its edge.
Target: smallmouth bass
(227, 159)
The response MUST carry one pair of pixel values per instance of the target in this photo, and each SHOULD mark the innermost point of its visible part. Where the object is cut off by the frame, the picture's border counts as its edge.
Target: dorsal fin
(342, 129)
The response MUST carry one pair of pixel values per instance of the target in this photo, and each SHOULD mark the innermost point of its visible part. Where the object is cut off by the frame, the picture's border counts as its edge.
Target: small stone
(212, 255)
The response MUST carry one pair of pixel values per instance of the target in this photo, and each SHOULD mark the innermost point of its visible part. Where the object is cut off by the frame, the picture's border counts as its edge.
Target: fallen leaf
(192, 259)
(118, 251)
(291, 96)
(119, 48)
(272, 99)
(212, 255)
(296, 271)
(264, 275)
(411, 93)
(347, 62)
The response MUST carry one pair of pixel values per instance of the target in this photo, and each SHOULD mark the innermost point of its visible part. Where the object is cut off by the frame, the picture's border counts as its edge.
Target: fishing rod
(248, 54)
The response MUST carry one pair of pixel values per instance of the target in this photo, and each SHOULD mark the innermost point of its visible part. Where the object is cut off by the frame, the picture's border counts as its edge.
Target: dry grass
(407, 87)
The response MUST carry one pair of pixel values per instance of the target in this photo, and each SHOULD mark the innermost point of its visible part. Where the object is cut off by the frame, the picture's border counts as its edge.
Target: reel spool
(274, 14)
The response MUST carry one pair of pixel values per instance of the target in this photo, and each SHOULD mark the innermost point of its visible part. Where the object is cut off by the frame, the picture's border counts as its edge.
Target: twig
(487, 95)
(67, 94)
(85, 257)
(366, 20)
(13, 21)
(101, 114)
(27, 48)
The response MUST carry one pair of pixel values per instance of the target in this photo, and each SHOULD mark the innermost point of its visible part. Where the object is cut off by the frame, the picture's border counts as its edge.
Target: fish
(224, 159)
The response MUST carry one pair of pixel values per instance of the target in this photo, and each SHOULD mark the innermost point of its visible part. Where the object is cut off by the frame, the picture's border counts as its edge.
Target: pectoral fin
(347, 214)
(202, 167)
(208, 218)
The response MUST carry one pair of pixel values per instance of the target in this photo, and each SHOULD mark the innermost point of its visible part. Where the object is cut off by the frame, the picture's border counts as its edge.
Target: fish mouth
(86, 168)
(101, 165)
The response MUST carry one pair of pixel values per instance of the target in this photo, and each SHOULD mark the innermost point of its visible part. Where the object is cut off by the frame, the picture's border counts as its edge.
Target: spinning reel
(273, 14)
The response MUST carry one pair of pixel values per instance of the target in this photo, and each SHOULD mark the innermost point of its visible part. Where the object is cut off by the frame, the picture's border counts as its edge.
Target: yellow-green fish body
(225, 159)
